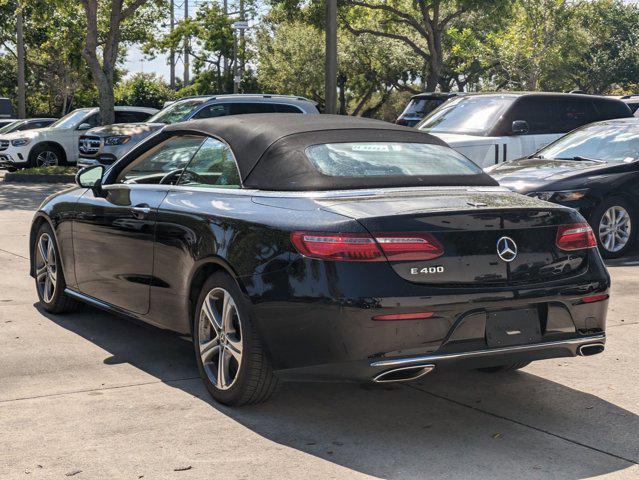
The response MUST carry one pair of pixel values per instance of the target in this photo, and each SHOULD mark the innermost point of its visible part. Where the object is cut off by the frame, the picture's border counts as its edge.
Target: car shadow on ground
(26, 196)
(631, 259)
(513, 426)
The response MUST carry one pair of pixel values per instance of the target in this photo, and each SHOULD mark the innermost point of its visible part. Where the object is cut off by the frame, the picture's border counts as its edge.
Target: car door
(113, 232)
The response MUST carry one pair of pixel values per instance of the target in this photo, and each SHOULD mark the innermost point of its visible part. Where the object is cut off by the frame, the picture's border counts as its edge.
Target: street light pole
(238, 69)
(330, 78)
(186, 47)
(172, 54)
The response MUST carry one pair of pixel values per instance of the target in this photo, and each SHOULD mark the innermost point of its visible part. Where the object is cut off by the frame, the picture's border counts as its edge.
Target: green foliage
(143, 90)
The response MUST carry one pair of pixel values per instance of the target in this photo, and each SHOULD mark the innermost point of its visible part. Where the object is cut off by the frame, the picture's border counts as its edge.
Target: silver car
(105, 145)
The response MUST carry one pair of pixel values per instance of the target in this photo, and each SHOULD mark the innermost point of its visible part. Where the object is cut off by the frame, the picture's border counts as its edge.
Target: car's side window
(172, 155)
(538, 112)
(212, 166)
(283, 108)
(211, 111)
(93, 120)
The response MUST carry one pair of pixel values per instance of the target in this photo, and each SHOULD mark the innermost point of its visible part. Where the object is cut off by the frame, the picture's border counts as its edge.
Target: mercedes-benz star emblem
(506, 249)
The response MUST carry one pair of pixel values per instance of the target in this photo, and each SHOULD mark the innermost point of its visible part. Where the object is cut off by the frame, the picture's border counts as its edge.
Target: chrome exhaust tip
(404, 374)
(590, 349)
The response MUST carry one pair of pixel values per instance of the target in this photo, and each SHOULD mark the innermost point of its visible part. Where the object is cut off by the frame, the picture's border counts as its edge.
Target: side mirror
(520, 127)
(90, 177)
(84, 126)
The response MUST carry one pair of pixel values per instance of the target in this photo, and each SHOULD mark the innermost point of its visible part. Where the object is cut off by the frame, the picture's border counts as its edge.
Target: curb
(38, 178)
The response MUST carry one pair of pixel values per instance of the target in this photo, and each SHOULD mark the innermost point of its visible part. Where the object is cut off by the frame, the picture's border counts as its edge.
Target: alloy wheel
(220, 338)
(46, 268)
(47, 158)
(615, 228)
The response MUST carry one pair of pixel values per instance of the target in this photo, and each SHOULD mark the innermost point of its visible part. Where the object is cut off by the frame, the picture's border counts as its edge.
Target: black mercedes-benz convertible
(322, 248)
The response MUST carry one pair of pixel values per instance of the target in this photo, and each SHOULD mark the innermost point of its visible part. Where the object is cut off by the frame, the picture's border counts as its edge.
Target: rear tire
(50, 283)
(614, 214)
(504, 368)
(223, 335)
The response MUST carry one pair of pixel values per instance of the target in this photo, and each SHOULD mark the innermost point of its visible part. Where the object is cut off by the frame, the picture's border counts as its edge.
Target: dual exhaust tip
(590, 349)
(413, 372)
(404, 374)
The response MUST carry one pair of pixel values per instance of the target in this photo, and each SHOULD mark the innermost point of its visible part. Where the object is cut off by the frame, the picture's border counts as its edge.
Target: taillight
(400, 247)
(351, 247)
(403, 316)
(358, 247)
(577, 236)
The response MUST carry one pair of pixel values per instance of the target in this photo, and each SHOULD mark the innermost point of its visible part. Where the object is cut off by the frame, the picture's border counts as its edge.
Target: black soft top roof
(270, 149)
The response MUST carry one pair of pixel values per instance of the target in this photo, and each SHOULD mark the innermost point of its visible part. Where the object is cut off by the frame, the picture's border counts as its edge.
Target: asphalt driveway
(94, 396)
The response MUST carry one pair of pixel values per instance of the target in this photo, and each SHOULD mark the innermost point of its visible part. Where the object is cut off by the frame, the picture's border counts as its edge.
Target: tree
(210, 37)
(143, 90)
(420, 24)
(101, 49)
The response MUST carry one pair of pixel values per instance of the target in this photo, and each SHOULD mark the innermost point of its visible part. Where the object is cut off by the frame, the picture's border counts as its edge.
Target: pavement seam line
(15, 254)
(115, 387)
(496, 415)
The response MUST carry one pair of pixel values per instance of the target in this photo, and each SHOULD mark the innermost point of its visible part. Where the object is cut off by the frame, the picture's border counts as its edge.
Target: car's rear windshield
(388, 159)
(176, 112)
(473, 115)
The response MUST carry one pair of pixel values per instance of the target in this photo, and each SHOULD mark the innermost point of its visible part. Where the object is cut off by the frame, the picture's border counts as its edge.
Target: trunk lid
(469, 223)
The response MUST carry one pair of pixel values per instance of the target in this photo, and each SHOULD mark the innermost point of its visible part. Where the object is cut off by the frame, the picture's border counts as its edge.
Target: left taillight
(576, 236)
(361, 247)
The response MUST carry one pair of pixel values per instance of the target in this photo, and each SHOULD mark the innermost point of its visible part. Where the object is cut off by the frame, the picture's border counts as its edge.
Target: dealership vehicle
(6, 108)
(594, 169)
(28, 124)
(492, 128)
(322, 247)
(57, 143)
(105, 145)
(632, 101)
(421, 105)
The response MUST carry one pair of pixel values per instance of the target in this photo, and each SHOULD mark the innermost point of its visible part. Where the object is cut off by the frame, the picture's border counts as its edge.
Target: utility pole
(22, 103)
(186, 47)
(242, 49)
(238, 69)
(226, 60)
(172, 53)
(330, 70)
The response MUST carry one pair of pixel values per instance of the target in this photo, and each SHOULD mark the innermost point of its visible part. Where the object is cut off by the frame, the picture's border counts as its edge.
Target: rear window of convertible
(376, 159)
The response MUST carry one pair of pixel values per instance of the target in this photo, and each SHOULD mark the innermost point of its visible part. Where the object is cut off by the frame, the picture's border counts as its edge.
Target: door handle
(141, 210)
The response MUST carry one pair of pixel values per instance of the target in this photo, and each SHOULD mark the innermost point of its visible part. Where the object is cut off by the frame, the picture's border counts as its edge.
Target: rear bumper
(371, 370)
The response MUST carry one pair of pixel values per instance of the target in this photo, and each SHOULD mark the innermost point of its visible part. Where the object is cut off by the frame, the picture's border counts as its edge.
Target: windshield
(175, 112)
(473, 115)
(375, 159)
(420, 107)
(10, 126)
(610, 142)
(70, 120)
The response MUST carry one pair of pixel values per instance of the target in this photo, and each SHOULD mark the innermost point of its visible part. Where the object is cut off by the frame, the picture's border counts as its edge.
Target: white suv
(492, 128)
(57, 144)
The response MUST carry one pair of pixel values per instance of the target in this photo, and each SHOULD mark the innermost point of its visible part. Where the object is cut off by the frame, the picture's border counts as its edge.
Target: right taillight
(357, 247)
(576, 236)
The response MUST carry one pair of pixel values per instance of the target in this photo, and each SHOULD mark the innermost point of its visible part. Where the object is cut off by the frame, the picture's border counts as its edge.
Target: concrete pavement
(94, 396)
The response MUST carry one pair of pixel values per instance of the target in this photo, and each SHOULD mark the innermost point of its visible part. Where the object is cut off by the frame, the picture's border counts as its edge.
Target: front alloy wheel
(615, 228)
(220, 338)
(47, 158)
(46, 268)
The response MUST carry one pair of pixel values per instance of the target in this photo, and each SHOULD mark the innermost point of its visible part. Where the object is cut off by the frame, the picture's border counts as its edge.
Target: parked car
(6, 108)
(492, 128)
(632, 101)
(594, 169)
(7, 121)
(421, 105)
(28, 124)
(105, 145)
(321, 247)
(57, 143)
